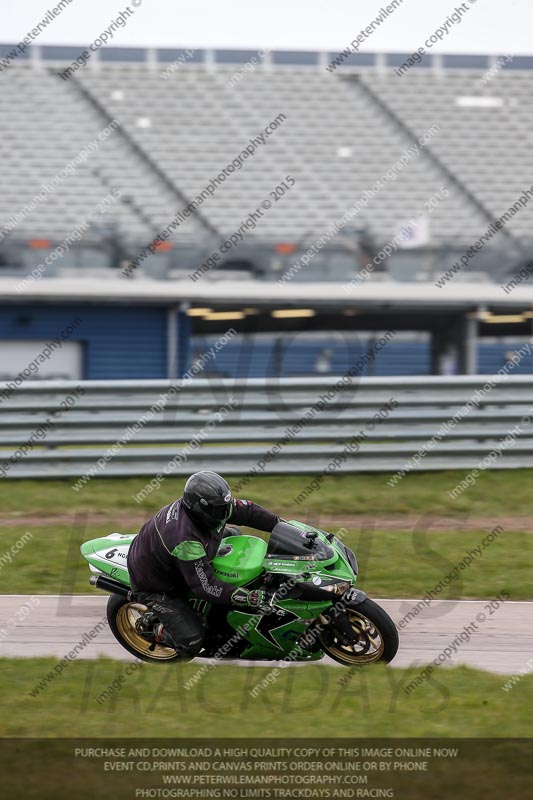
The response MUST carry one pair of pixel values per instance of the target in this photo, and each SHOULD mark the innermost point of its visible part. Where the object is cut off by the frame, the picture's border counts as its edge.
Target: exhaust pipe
(110, 585)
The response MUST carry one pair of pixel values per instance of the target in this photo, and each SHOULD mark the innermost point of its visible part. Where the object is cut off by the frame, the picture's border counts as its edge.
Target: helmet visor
(220, 512)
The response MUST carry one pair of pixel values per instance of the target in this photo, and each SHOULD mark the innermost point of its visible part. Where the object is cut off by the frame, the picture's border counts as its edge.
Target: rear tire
(378, 636)
(121, 616)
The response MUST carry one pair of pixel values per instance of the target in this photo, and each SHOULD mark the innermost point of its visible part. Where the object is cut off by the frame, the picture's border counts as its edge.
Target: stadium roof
(36, 54)
(377, 295)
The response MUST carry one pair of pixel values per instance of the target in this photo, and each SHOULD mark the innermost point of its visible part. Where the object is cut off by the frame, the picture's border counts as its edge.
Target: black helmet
(207, 498)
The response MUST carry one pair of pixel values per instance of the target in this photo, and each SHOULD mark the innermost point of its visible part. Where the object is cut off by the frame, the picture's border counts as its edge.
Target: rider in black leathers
(173, 551)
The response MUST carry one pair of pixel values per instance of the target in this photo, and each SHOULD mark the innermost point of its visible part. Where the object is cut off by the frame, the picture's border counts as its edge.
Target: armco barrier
(265, 411)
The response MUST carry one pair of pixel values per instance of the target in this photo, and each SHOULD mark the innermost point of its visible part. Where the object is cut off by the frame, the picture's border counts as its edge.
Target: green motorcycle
(314, 608)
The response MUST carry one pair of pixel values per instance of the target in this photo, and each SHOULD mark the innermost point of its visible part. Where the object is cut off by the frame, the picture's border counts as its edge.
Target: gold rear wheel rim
(126, 617)
(369, 648)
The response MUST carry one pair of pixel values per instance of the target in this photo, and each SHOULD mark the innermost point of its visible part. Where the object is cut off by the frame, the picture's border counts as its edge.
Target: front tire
(377, 637)
(121, 616)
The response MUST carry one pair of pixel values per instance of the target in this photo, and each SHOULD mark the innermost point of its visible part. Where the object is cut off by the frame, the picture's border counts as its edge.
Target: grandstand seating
(45, 125)
(342, 133)
(340, 136)
(199, 125)
(487, 147)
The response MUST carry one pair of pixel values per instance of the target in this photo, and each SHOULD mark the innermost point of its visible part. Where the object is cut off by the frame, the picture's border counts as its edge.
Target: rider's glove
(253, 598)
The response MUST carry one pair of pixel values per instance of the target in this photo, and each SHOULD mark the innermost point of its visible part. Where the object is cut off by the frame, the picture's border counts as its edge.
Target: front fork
(335, 618)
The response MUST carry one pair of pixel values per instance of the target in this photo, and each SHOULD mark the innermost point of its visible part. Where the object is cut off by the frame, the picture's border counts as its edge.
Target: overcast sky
(491, 26)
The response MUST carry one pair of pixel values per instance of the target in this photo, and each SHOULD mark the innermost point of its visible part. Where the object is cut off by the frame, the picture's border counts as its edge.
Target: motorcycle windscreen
(239, 559)
(288, 540)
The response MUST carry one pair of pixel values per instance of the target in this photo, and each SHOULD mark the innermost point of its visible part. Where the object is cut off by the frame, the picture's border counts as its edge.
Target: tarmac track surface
(502, 638)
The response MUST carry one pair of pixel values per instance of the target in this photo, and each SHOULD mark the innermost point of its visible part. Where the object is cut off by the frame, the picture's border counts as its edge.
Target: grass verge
(391, 563)
(496, 493)
(153, 702)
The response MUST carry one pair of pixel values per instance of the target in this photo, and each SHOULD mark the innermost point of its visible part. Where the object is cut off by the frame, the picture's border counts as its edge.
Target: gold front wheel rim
(125, 618)
(371, 646)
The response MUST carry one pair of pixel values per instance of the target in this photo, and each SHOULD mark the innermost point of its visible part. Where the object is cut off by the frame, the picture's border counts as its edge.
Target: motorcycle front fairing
(307, 569)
